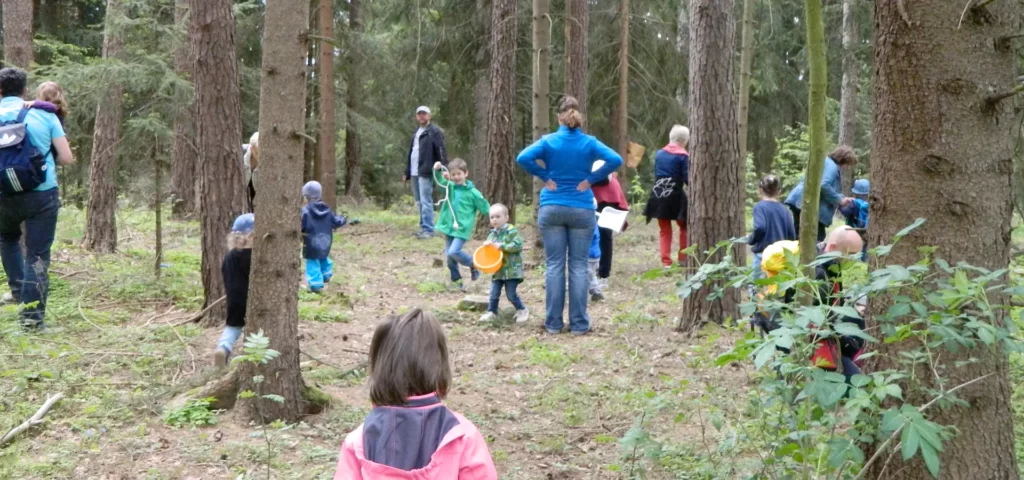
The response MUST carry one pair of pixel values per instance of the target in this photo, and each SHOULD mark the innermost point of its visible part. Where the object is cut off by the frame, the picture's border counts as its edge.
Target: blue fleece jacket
(318, 224)
(568, 155)
(772, 222)
(831, 193)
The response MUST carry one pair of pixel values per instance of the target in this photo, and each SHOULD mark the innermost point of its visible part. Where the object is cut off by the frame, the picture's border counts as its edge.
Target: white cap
(423, 109)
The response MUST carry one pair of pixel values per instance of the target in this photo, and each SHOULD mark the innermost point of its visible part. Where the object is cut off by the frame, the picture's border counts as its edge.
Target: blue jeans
(228, 338)
(567, 233)
(318, 272)
(453, 247)
(27, 273)
(510, 291)
(756, 266)
(423, 192)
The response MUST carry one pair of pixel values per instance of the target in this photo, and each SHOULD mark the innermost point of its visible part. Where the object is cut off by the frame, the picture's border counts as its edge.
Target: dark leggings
(604, 270)
(796, 223)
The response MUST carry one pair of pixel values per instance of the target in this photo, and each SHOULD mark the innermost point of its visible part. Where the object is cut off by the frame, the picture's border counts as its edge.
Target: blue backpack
(22, 165)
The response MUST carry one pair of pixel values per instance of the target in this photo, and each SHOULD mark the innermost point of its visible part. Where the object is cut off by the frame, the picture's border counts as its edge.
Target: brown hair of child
(408, 358)
(458, 164)
(53, 93)
(770, 186)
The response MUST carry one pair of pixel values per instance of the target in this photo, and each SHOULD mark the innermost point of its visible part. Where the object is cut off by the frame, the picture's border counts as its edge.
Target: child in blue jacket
(856, 212)
(318, 224)
(594, 263)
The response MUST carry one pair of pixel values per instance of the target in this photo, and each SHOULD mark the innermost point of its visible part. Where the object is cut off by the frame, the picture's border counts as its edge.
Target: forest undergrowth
(632, 400)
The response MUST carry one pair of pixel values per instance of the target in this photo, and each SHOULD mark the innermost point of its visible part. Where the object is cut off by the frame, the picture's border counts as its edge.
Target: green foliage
(195, 413)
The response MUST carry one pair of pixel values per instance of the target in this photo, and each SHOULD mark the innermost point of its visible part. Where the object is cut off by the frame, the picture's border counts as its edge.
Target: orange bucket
(488, 259)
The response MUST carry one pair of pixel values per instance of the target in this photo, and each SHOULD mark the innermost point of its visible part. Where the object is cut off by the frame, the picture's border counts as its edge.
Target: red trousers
(665, 227)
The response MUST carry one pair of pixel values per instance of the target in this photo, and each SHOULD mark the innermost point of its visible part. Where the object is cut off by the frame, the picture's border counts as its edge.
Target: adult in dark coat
(667, 201)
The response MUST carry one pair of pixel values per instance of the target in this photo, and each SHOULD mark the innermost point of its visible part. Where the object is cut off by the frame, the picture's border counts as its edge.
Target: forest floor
(633, 399)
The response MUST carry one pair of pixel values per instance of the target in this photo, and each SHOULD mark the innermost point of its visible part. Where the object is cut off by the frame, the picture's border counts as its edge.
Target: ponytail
(569, 113)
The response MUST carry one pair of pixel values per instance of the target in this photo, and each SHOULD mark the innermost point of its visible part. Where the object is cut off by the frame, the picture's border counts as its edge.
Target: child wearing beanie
(318, 225)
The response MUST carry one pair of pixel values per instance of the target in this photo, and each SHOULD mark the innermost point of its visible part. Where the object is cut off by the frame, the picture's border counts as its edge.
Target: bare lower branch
(33, 421)
(201, 314)
(307, 137)
(994, 99)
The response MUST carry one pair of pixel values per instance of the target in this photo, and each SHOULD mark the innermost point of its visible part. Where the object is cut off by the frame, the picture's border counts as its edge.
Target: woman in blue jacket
(831, 191)
(565, 215)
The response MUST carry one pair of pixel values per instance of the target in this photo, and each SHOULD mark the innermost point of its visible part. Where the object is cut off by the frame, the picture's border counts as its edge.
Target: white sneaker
(522, 315)
(487, 317)
(7, 299)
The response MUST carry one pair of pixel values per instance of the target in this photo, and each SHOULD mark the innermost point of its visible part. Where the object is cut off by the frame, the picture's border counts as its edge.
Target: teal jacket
(466, 201)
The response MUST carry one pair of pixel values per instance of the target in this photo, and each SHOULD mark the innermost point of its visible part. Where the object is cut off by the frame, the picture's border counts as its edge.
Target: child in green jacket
(505, 237)
(459, 209)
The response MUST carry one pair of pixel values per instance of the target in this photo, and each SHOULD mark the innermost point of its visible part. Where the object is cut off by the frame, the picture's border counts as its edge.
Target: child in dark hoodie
(318, 224)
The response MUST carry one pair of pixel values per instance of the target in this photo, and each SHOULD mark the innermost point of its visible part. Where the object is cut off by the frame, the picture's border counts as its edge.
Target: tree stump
(474, 303)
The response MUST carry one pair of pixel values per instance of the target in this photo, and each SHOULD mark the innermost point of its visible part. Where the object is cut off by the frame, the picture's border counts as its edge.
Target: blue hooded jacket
(831, 193)
(318, 224)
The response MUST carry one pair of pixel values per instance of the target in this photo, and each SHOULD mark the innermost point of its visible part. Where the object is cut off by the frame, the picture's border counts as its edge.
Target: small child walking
(772, 220)
(506, 237)
(457, 220)
(410, 433)
(318, 224)
(593, 265)
(235, 270)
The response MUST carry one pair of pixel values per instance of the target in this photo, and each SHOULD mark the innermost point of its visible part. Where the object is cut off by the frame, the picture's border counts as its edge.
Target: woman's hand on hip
(583, 186)
(551, 185)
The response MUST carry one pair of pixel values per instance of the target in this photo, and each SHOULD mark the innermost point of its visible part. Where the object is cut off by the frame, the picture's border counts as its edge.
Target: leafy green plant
(195, 413)
(258, 352)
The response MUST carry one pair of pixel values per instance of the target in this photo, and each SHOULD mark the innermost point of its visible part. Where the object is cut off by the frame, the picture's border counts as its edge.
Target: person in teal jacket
(564, 161)
(457, 221)
(831, 191)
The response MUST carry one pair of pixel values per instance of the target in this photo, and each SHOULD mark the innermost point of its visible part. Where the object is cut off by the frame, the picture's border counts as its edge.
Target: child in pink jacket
(410, 434)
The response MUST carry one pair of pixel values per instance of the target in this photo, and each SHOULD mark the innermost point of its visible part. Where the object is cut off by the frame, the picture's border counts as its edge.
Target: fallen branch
(31, 422)
(201, 314)
(994, 99)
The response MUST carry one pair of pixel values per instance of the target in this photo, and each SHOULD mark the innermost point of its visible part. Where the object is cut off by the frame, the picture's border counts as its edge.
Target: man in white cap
(426, 148)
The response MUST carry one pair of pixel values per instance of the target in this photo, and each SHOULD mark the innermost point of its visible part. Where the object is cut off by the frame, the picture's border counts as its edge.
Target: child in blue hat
(856, 212)
(318, 224)
(235, 270)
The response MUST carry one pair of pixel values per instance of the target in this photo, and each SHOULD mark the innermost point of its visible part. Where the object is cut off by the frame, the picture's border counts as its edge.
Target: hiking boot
(316, 289)
(220, 357)
(459, 285)
(596, 296)
(522, 315)
(488, 317)
(8, 299)
(327, 279)
(474, 274)
(424, 236)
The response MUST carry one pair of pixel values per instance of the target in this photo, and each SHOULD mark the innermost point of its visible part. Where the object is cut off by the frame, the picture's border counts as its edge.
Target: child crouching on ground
(410, 433)
(457, 220)
(506, 238)
(318, 224)
(235, 270)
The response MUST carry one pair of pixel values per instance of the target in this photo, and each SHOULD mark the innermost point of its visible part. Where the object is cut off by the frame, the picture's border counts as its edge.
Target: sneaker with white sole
(522, 316)
(488, 317)
(8, 299)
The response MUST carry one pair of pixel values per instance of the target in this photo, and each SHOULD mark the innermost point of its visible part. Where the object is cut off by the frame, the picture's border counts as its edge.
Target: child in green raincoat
(457, 221)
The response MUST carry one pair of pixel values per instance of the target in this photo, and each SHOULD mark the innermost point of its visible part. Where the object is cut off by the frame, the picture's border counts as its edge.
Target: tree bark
(541, 85)
(934, 134)
(273, 305)
(848, 96)
(482, 87)
(816, 127)
(683, 51)
(353, 148)
(326, 162)
(101, 221)
(499, 184)
(746, 61)
(622, 108)
(17, 23)
(577, 24)
(716, 191)
(219, 138)
(310, 153)
(183, 162)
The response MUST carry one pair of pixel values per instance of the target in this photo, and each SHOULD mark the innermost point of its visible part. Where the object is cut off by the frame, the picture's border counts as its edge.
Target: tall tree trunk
(746, 61)
(816, 126)
(622, 108)
(482, 87)
(158, 203)
(683, 51)
(577, 24)
(934, 133)
(326, 162)
(17, 22)
(715, 188)
(101, 221)
(222, 193)
(183, 162)
(848, 96)
(541, 85)
(273, 305)
(310, 152)
(353, 148)
(499, 184)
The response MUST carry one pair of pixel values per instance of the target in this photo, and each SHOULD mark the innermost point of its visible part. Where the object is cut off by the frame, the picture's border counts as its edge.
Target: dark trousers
(604, 270)
(510, 291)
(796, 223)
(27, 274)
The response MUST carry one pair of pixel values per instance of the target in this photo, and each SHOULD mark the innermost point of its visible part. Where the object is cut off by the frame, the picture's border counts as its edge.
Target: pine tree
(541, 118)
(353, 147)
(848, 95)
(499, 185)
(577, 24)
(17, 23)
(183, 160)
(325, 162)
